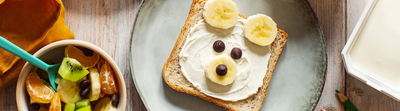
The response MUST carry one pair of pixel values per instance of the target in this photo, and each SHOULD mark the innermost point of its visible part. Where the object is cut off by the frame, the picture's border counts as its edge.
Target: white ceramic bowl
(55, 53)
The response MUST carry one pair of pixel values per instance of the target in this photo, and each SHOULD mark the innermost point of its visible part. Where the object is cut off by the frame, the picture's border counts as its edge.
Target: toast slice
(176, 80)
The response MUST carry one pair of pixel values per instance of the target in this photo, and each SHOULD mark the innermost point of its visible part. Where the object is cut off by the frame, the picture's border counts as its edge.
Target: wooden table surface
(108, 24)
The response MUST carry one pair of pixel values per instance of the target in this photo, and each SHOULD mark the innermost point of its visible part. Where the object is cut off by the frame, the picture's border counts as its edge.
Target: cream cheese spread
(198, 51)
(377, 49)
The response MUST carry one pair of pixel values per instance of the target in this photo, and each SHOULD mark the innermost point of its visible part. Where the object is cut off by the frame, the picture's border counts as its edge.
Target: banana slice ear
(221, 14)
(260, 29)
(230, 75)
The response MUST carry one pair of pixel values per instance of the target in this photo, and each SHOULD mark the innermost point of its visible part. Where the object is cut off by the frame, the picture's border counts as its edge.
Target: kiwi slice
(69, 107)
(71, 69)
(82, 103)
(86, 108)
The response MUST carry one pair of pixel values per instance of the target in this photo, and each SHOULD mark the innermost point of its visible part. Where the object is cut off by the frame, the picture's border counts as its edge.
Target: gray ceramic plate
(298, 78)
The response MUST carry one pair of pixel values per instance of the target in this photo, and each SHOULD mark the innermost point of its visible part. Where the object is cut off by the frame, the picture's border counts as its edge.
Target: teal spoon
(52, 70)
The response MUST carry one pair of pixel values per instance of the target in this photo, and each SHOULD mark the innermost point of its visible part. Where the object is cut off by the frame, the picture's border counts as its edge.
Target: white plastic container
(371, 54)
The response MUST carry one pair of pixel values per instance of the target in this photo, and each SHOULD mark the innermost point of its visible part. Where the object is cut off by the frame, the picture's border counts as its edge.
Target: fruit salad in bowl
(87, 80)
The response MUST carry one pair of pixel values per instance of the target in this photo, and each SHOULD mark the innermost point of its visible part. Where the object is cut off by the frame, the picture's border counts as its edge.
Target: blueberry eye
(219, 46)
(236, 53)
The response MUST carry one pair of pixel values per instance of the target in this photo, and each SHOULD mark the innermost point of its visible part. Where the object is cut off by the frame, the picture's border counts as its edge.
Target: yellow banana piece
(260, 29)
(226, 79)
(95, 90)
(221, 14)
(69, 91)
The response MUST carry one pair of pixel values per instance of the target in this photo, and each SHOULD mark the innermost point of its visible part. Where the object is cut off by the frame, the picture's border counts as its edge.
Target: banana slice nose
(222, 79)
(260, 29)
(221, 14)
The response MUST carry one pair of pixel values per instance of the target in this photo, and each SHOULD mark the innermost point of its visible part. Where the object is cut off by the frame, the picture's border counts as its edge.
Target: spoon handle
(12, 48)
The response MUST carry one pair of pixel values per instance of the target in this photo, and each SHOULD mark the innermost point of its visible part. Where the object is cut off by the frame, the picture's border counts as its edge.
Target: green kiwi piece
(86, 108)
(69, 107)
(72, 70)
(82, 103)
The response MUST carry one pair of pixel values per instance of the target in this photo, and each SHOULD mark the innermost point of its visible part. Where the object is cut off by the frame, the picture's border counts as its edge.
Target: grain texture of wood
(7, 98)
(331, 15)
(364, 97)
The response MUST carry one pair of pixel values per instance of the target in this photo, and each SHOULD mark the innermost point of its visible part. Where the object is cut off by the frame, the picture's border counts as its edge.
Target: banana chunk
(69, 91)
(221, 14)
(260, 29)
(94, 77)
(222, 79)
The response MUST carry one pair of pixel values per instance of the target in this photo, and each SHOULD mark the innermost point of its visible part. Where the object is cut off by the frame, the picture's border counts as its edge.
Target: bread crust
(173, 76)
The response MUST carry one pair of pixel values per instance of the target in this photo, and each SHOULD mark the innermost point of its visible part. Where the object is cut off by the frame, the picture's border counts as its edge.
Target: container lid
(371, 54)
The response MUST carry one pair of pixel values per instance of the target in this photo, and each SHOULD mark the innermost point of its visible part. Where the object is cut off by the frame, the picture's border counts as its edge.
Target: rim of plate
(326, 56)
